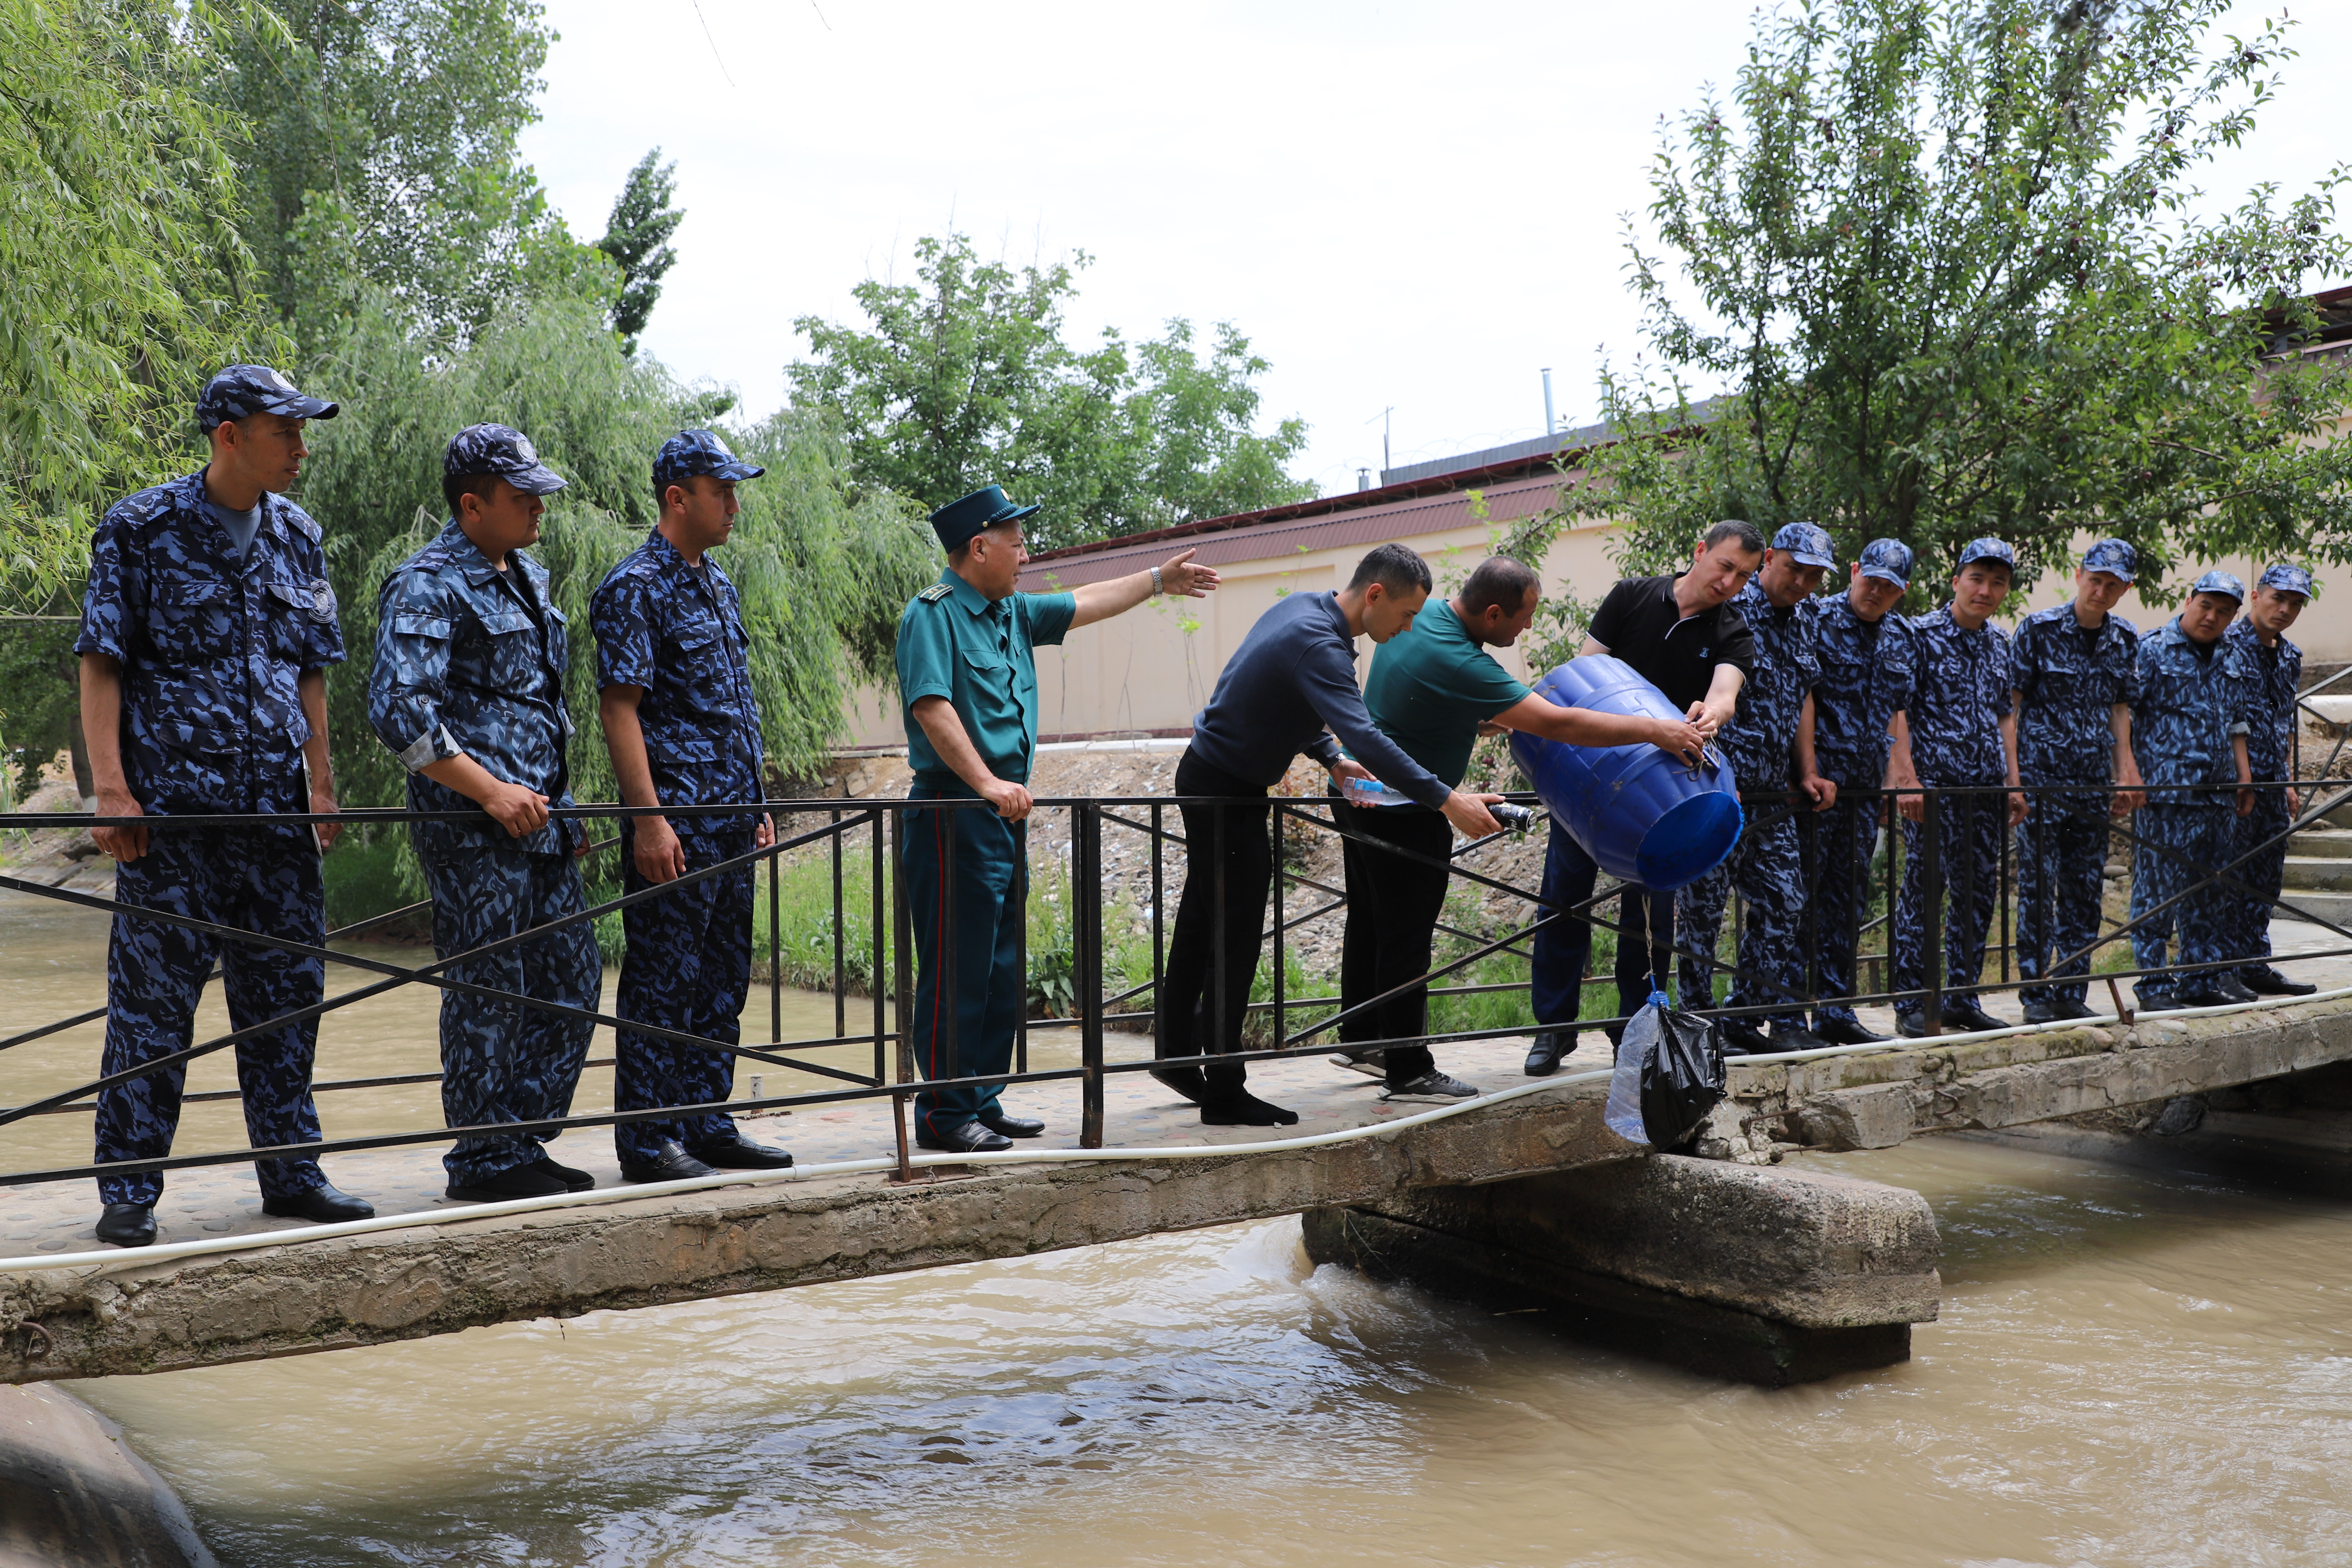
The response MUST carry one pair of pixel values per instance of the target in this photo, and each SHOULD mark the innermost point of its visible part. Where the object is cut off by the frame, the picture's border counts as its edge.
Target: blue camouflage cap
(1984, 549)
(1808, 543)
(1888, 560)
(2286, 577)
(692, 452)
(246, 389)
(2220, 582)
(502, 451)
(2115, 557)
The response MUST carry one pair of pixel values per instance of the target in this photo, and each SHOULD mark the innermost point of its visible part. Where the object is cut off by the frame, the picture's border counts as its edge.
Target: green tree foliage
(124, 281)
(823, 566)
(380, 162)
(636, 236)
(1944, 263)
(963, 379)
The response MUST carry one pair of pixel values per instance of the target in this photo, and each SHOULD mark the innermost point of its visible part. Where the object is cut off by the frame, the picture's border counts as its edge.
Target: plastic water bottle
(1371, 792)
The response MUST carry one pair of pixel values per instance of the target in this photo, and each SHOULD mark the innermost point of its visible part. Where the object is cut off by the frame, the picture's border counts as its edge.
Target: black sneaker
(1431, 1085)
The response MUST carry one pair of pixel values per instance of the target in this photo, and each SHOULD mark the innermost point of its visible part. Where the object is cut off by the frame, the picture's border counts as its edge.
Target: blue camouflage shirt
(1960, 694)
(2270, 720)
(2071, 680)
(2185, 707)
(1787, 664)
(471, 659)
(1865, 680)
(678, 633)
(214, 642)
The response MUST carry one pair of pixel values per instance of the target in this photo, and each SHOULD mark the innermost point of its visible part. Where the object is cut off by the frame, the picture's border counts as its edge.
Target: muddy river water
(2129, 1370)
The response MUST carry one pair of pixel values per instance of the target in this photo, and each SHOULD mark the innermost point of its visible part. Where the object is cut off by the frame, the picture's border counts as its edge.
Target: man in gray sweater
(1289, 687)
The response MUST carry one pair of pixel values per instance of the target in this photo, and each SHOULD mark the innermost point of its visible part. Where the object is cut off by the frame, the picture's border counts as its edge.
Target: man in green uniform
(968, 678)
(1433, 689)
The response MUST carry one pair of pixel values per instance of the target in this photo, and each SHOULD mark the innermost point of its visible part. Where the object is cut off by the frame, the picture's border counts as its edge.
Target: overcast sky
(1414, 207)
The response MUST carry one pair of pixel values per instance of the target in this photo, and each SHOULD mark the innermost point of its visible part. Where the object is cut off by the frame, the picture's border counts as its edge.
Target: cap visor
(1805, 558)
(539, 479)
(301, 407)
(1014, 515)
(1886, 574)
(738, 470)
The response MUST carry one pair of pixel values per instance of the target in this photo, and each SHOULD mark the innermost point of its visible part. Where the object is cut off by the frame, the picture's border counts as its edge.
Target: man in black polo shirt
(1680, 634)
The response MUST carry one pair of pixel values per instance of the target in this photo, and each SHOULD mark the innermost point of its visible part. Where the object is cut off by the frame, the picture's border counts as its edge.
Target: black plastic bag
(1669, 1075)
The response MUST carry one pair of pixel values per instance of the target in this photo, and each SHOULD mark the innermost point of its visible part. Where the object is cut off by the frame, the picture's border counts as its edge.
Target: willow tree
(1937, 269)
(123, 280)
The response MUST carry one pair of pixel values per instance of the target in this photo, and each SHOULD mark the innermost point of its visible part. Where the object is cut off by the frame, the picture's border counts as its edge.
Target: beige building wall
(1153, 667)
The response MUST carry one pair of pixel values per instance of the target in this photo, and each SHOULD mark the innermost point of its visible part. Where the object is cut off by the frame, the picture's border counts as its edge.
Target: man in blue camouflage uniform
(674, 678)
(2191, 693)
(467, 689)
(2259, 638)
(1867, 662)
(1959, 731)
(2072, 679)
(206, 631)
(1774, 721)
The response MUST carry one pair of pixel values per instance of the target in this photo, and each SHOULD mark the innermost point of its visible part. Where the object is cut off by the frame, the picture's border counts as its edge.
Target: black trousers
(1392, 908)
(1220, 923)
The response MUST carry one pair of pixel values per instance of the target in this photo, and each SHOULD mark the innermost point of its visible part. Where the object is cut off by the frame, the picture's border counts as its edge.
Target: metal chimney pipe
(1551, 426)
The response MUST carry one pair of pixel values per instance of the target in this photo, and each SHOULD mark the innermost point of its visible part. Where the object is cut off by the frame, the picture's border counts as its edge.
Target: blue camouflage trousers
(687, 968)
(257, 879)
(502, 1061)
(1766, 868)
(2263, 871)
(968, 936)
(1845, 836)
(2061, 850)
(1967, 854)
(2199, 837)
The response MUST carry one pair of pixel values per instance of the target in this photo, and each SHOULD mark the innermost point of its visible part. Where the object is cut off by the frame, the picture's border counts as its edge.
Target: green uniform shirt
(953, 643)
(1430, 688)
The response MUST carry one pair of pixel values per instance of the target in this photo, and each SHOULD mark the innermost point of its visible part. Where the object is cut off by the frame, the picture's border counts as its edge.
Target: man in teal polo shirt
(968, 677)
(1432, 689)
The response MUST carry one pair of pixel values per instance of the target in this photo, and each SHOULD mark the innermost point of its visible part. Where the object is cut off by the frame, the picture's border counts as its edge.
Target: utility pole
(1551, 426)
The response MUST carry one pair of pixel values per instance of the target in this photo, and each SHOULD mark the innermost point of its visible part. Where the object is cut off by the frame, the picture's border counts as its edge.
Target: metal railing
(875, 831)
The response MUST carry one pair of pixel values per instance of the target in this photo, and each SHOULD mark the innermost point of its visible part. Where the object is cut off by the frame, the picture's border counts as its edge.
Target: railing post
(1087, 956)
(840, 952)
(877, 928)
(1931, 888)
(1281, 1034)
(902, 982)
(1020, 945)
(776, 942)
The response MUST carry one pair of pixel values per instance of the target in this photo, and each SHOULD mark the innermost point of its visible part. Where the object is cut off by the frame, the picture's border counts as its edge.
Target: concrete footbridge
(1727, 1259)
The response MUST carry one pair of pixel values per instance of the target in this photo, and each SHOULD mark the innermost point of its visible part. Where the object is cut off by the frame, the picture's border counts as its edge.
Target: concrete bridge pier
(1759, 1274)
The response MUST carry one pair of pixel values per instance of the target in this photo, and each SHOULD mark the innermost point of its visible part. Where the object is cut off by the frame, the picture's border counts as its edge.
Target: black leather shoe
(573, 1180)
(971, 1138)
(1845, 1032)
(670, 1163)
(2264, 981)
(322, 1205)
(522, 1181)
(1742, 1038)
(2068, 1009)
(1794, 1040)
(1967, 1017)
(127, 1224)
(2230, 985)
(1911, 1025)
(2155, 1002)
(1186, 1082)
(1005, 1126)
(2042, 1013)
(2205, 995)
(739, 1153)
(1543, 1057)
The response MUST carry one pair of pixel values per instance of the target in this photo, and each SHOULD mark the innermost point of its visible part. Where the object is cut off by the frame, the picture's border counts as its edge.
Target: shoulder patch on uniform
(935, 592)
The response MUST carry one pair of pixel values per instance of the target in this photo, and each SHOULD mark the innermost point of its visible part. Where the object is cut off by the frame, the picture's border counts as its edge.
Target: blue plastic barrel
(1644, 816)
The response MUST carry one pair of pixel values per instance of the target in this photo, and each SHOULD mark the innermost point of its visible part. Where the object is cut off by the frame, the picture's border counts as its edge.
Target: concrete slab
(407, 1283)
(1875, 1101)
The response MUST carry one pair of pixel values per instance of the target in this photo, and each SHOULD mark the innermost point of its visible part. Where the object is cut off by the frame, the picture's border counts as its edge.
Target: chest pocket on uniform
(198, 623)
(292, 608)
(510, 659)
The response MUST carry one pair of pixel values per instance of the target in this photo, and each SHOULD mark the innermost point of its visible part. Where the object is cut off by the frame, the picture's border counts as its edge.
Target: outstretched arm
(1583, 727)
(1101, 601)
